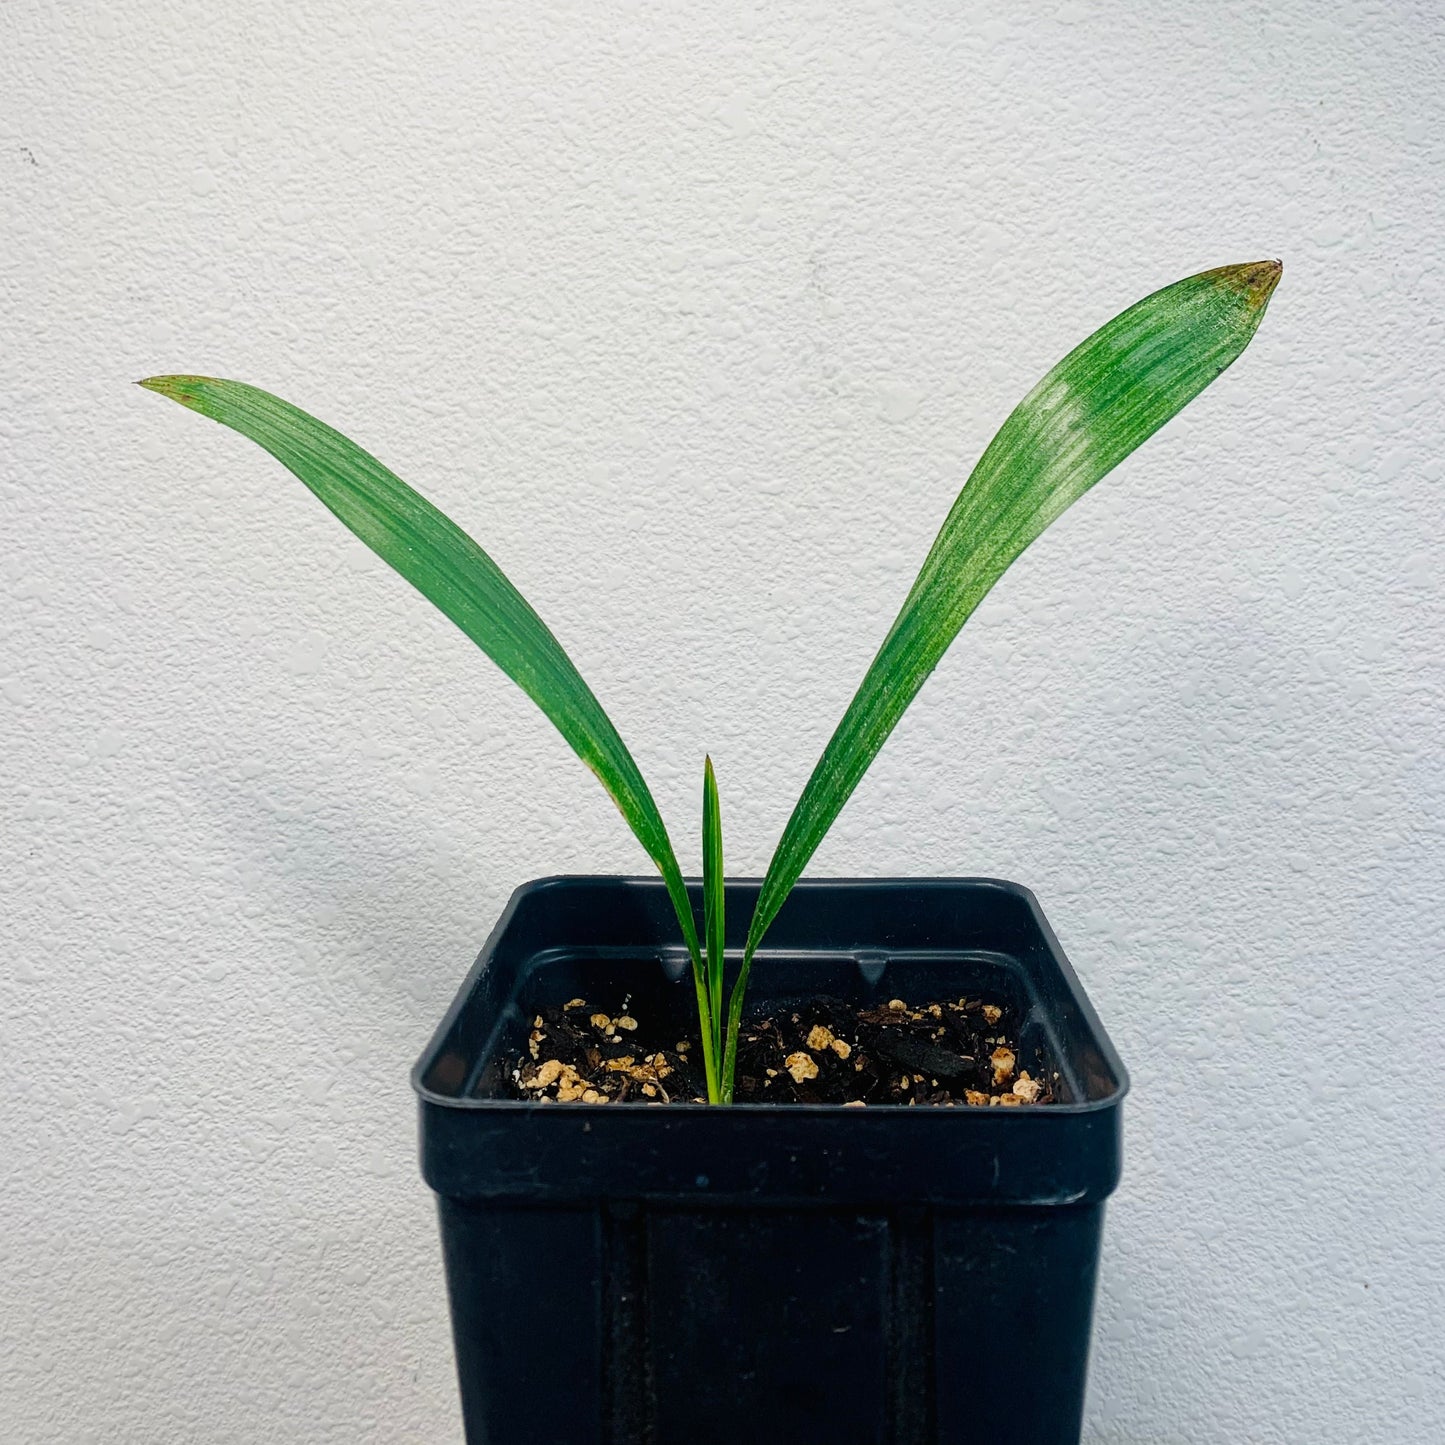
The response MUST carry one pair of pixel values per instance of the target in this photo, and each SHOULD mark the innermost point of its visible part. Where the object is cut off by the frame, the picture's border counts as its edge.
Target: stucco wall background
(697, 316)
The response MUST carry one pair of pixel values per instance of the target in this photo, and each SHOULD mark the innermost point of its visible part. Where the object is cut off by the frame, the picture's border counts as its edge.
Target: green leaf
(452, 571)
(714, 904)
(1099, 403)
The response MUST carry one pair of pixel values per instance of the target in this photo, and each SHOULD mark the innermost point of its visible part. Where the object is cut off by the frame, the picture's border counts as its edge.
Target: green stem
(682, 907)
(734, 1022)
(706, 1028)
(717, 1026)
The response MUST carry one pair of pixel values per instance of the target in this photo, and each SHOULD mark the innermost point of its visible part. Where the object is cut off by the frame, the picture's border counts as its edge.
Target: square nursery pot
(636, 1275)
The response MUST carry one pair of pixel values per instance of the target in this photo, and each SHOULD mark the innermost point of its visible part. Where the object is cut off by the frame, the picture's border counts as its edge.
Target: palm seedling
(1095, 407)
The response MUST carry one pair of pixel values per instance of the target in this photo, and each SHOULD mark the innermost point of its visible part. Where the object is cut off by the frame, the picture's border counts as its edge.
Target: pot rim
(777, 956)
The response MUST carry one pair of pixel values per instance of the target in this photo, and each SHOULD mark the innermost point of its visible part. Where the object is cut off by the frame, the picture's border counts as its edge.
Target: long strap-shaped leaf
(1099, 403)
(452, 571)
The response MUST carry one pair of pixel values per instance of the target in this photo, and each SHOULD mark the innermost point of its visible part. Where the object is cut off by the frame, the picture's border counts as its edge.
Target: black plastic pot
(687, 1275)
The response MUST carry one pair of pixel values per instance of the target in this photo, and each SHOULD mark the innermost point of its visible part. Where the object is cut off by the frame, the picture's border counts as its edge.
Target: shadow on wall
(345, 887)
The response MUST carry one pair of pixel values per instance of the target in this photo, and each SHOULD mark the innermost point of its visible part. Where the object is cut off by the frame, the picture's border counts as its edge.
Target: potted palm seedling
(889, 1231)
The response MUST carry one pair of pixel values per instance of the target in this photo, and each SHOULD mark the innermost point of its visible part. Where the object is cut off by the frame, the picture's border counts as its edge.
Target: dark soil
(962, 1051)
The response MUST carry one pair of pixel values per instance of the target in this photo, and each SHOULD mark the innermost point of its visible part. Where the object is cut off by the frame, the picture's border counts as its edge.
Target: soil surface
(952, 1052)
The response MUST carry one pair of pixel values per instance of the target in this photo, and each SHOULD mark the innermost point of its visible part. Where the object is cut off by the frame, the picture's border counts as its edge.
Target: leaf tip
(1254, 280)
(184, 389)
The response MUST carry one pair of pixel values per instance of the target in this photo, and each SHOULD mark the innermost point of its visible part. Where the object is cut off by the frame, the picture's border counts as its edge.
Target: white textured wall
(698, 316)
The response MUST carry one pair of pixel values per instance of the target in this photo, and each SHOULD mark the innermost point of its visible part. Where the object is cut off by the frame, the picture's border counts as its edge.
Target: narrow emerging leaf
(1099, 403)
(714, 905)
